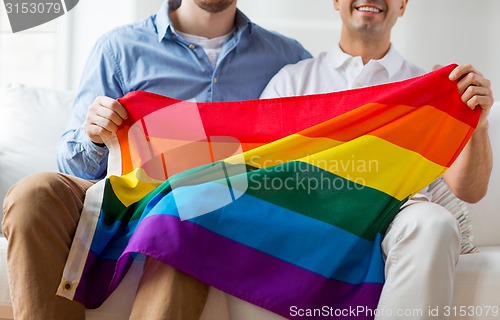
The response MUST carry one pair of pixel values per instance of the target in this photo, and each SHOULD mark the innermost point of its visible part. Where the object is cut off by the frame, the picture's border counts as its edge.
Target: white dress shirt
(336, 71)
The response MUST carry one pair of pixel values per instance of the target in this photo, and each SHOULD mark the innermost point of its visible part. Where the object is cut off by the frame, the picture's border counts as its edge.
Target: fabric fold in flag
(280, 202)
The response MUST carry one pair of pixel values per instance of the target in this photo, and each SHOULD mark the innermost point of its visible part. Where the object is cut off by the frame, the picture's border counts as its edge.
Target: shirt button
(216, 80)
(100, 153)
(92, 169)
(357, 85)
(192, 46)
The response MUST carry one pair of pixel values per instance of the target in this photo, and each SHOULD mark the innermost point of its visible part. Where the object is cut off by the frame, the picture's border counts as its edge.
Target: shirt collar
(164, 24)
(391, 62)
(338, 57)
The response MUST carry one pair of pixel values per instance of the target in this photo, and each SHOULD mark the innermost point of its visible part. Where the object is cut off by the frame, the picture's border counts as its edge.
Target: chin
(214, 6)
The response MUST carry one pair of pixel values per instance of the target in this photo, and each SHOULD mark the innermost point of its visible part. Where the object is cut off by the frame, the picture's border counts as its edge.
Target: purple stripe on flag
(241, 271)
(97, 275)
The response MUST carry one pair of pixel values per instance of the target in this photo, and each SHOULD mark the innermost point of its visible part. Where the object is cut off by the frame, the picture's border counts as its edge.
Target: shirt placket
(212, 74)
(215, 79)
(200, 58)
(354, 74)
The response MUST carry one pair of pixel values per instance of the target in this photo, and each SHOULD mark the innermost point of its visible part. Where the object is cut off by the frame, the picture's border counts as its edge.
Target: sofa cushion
(477, 283)
(31, 122)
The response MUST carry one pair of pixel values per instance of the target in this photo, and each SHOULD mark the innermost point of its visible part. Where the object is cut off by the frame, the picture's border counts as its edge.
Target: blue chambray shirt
(151, 56)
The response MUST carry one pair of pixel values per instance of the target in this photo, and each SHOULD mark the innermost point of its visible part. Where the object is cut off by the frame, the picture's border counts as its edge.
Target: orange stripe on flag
(379, 120)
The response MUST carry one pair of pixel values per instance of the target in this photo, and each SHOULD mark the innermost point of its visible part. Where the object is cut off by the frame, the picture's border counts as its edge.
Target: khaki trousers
(41, 215)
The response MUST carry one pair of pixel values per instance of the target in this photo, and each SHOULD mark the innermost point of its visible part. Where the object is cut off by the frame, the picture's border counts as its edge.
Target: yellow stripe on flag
(133, 186)
(284, 150)
(376, 163)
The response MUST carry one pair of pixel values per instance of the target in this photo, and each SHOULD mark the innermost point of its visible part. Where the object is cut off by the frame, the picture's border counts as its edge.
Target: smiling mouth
(368, 9)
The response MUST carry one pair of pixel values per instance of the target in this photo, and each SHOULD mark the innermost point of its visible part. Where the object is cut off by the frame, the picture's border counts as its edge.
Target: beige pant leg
(165, 293)
(41, 215)
(422, 247)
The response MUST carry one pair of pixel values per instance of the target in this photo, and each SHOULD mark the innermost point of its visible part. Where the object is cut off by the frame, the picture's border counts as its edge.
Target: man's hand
(104, 116)
(475, 90)
(468, 177)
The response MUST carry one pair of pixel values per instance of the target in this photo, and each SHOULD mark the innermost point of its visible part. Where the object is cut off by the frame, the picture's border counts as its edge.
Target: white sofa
(31, 120)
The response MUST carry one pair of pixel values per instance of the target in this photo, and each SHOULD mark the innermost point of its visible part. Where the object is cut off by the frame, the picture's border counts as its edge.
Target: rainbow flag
(280, 202)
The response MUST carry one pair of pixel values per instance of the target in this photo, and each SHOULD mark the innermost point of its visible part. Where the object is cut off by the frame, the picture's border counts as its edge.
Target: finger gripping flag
(280, 202)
